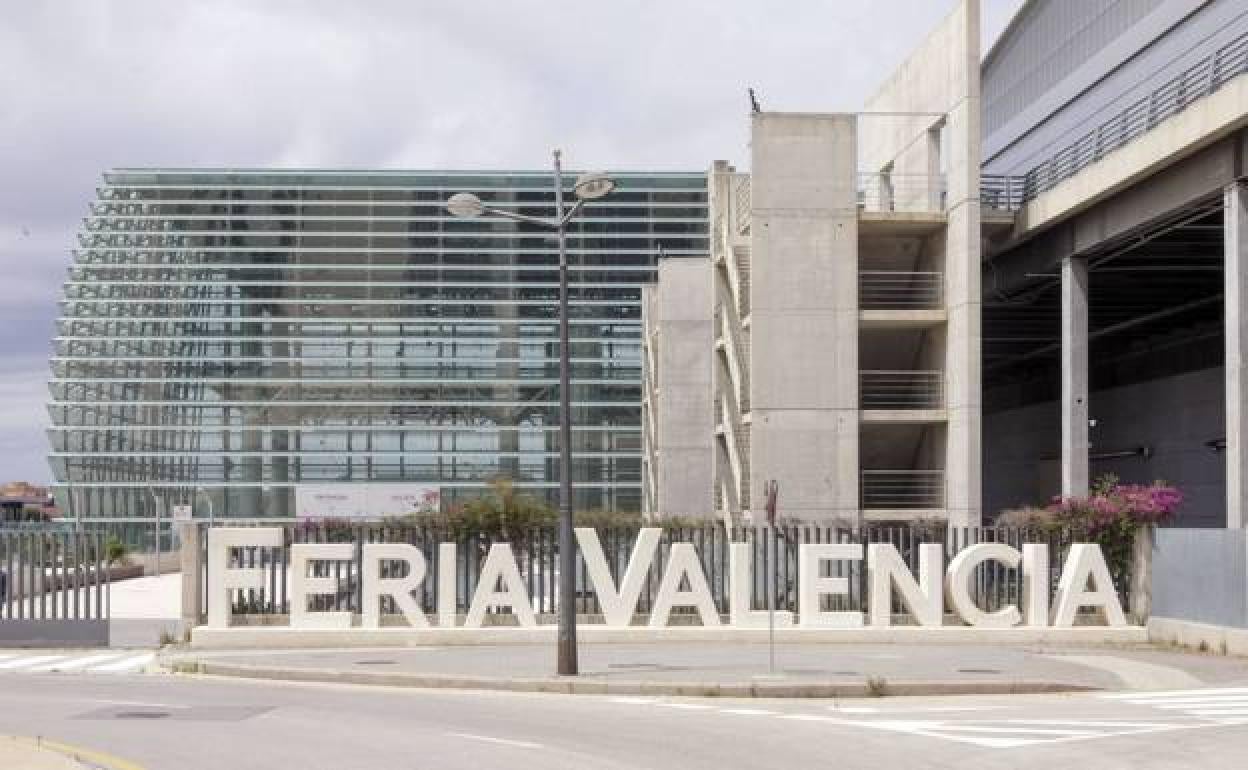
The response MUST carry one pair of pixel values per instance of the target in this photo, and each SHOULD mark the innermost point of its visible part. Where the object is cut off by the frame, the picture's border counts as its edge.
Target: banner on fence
(1085, 582)
(364, 501)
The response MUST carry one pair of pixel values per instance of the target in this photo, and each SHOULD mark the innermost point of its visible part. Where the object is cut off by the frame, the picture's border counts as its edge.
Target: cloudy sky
(628, 84)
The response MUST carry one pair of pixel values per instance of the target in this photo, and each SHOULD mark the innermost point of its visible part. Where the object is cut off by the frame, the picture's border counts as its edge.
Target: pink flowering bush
(1110, 517)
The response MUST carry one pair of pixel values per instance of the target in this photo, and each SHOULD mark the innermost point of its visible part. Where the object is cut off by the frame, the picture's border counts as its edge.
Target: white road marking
(76, 663)
(687, 706)
(1178, 693)
(631, 700)
(1191, 704)
(854, 709)
(35, 660)
(1090, 723)
(130, 663)
(499, 741)
(748, 712)
(971, 728)
(1220, 712)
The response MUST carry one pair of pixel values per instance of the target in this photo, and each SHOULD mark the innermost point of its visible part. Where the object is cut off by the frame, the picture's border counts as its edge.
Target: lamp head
(465, 205)
(593, 186)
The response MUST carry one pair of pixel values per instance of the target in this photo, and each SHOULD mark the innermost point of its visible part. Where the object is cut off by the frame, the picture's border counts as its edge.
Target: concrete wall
(684, 428)
(1174, 416)
(939, 86)
(804, 312)
(1201, 575)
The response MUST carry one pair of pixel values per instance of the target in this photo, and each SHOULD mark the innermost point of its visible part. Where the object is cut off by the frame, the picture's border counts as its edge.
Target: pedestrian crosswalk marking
(75, 663)
(1229, 705)
(31, 661)
(112, 662)
(129, 664)
(986, 733)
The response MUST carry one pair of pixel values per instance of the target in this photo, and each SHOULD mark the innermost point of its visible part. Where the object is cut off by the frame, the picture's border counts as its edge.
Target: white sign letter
(958, 583)
(1036, 584)
(924, 599)
(303, 585)
(224, 580)
(683, 562)
(618, 607)
(810, 560)
(1085, 561)
(740, 583)
(500, 564)
(447, 611)
(398, 588)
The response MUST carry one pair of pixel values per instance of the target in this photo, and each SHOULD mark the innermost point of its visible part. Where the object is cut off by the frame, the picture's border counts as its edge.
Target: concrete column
(189, 534)
(1074, 377)
(1236, 333)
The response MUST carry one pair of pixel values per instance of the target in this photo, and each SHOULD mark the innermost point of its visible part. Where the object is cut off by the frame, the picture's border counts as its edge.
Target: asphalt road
(183, 723)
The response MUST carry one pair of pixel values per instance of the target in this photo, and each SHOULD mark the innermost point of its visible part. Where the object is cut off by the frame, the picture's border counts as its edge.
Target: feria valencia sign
(1085, 583)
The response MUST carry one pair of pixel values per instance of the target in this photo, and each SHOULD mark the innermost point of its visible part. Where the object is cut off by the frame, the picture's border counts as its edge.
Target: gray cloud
(93, 84)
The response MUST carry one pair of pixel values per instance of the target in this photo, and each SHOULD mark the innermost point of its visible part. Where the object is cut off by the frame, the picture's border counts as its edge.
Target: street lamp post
(588, 187)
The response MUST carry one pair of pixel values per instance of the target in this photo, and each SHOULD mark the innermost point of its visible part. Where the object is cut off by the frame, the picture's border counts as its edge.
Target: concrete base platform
(284, 637)
(729, 669)
(1199, 636)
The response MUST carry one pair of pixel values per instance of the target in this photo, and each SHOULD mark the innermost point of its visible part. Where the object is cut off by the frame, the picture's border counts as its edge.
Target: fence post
(189, 533)
(1140, 594)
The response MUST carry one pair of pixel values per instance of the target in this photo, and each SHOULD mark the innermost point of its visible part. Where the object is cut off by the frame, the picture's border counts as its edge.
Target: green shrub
(115, 551)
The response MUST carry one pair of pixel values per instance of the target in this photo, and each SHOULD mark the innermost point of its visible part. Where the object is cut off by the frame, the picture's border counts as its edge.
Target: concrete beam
(1074, 377)
(1236, 326)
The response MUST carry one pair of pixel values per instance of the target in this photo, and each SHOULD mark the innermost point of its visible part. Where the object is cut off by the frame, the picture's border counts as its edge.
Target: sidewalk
(736, 670)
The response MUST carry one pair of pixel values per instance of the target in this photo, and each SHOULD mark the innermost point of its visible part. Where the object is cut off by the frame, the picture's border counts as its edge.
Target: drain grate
(141, 715)
(376, 662)
(978, 671)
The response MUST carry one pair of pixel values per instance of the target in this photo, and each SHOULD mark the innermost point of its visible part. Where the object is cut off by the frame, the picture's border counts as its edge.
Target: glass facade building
(227, 336)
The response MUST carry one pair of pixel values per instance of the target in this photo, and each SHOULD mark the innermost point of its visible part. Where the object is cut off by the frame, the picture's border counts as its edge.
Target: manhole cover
(375, 662)
(978, 671)
(141, 715)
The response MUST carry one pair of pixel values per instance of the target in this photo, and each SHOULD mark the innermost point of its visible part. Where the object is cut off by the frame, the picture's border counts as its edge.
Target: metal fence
(54, 587)
(773, 552)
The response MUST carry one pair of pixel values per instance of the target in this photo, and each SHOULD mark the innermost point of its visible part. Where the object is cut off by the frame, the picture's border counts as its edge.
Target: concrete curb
(865, 689)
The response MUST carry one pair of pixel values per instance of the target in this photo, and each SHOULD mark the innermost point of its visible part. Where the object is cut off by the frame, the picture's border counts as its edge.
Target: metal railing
(903, 489)
(1170, 98)
(998, 191)
(882, 192)
(900, 290)
(897, 389)
(773, 558)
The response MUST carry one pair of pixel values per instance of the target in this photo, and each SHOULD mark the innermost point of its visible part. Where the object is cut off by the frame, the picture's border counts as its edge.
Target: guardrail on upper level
(884, 192)
(897, 389)
(903, 489)
(900, 290)
(1171, 97)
